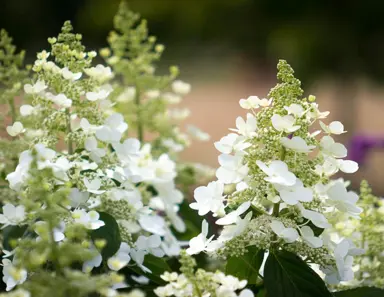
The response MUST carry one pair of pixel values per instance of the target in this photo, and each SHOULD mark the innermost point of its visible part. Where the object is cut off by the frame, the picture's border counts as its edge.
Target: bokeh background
(228, 49)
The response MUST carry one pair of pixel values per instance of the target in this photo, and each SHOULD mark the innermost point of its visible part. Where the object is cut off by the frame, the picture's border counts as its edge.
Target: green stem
(140, 128)
(70, 146)
(11, 103)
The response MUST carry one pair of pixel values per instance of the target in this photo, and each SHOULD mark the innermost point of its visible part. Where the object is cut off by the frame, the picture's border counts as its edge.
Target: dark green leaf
(110, 233)
(246, 266)
(11, 233)
(361, 292)
(287, 275)
(157, 265)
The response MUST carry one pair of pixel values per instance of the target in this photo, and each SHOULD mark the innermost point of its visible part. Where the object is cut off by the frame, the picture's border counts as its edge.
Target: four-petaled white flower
(231, 143)
(209, 198)
(94, 262)
(199, 243)
(278, 173)
(246, 128)
(12, 215)
(128, 150)
(317, 218)
(112, 129)
(335, 127)
(232, 169)
(284, 123)
(26, 110)
(96, 153)
(16, 129)
(332, 148)
(288, 234)
(13, 276)
(254, 102)
(180, 87)
(69, 75)
(153, 223)
(232, 217)
(121, 258)
(150, 245)
(309, 237)
(343, 200)
(231, 231)
(100, 72)
(296, 109)
(61, 100)
(291, 195)
(37, 88)
(90, 220)
(94, 96)
(297, 144)
(93, 186)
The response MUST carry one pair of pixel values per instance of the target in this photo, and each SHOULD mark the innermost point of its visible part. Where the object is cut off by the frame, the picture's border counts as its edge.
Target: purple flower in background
(360, 146)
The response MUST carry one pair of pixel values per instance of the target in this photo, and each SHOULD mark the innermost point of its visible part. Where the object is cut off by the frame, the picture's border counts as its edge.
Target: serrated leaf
(110, 233)
(246, 266)
(287, 275)
(361, 292)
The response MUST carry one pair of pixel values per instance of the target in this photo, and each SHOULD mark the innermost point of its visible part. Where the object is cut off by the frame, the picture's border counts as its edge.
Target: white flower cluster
(273, 159)
(219, 283)
(108, 174)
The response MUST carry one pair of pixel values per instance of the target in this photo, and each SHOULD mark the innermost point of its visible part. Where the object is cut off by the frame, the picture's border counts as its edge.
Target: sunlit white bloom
(309, 237)
(197, 133)
(152, 223)
(284, 123)
(43, 55)
(343, 253)
(246, 128)
(87, 127)
(180, 87)
(343, 200)
(37, 88)
(100, 72)
(127, 95)
(335, 127)
(348, 166)
(150, 245)
(315, 113)
(253, 102)
(291, 195)
(231, 143)
(152, 94)
(178, 113)
(121, 258)
(209, 198)
(112, 129)
(16, 129)
(278, 173)
(232, 217)
(93, 186)
(288, 234)
(128, 150)
(164, 169)
(12, 276)
(231, 231)
(95, 96)
(41, 228)
(26, 110)
(69, 75)
(61, 100)
(331, 166)
(295, 109)
(318, 219)
(332, 148)
(94, 262)
(90, 220)
(12, 215)
(199, 243)
(77, 197)
(171, 98)
(96, 153)
(297, 144)
(172, 145)
(232, 169)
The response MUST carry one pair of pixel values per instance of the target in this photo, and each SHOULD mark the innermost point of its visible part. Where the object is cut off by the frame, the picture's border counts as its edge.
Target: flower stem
(140, 128)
